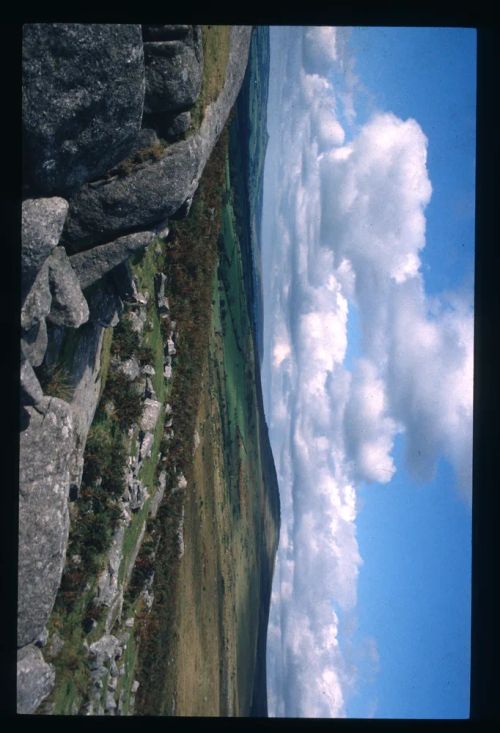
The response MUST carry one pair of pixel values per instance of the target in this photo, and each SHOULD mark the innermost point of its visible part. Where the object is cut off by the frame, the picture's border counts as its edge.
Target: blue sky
(368, 273)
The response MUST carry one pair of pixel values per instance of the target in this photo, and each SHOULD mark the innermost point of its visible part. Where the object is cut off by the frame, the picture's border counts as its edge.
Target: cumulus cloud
(319, 48)
(368, 428)
(346, 227)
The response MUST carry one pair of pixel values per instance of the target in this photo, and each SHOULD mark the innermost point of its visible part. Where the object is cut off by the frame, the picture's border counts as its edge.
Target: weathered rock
(103, 651)
(54, 646)
(69, 307)
(138, 495)
(178, 126)
(137, 320)
(105, 305)
(42, 225)
(157, 190)
(38, 300)
(92, 264)
(150, 414)
(149, 370)
(149, 194)
(167, 372)
(34, 343)
(160, 492)
(86, 383)
(147, 137)
(171, 350)
(31, 391)
(129, 367)
(35, 679)
(88, 80)
(174, 70)
(44, 480)
(42, 638)
(149, 390)
(107, 584)
(146, 446)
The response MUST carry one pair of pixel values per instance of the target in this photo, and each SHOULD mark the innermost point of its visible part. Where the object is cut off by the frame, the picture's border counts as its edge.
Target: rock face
(152, 192)
(89, 81)
(100, 212)
(92, 264)
(174, 70)
(43, 513)
(35, 679)
(42, 225)
(68, 307)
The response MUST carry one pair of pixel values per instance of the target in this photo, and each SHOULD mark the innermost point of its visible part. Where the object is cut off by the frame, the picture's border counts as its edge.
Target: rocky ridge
(101, 87)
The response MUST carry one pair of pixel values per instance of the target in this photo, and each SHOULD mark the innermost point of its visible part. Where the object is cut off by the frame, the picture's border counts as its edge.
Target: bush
(125, 340)
(55, 382)
(145, 355)
(128, 404)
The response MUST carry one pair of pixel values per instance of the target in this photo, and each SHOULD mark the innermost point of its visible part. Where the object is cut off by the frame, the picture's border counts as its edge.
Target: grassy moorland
(202, 650)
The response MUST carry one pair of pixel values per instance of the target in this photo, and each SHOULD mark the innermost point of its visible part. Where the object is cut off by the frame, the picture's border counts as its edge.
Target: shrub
(145, 355)
(125, 340)
(55, 382)
(128, 404)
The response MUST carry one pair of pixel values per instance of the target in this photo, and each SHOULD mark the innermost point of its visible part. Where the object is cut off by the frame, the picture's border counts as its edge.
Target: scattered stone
(54, 646)
(160, 492)
(138, 495)
(35, 679)
(41, 228)
(137, 321)
(110, 701)
(167, 372)
(146, 446)
(69, 307)
(129, 367)
(102, 651)
(88, 79)
(46, 446)
(135, 687)
(150, 414)
(171, 350)
(129, 623)
(107, 583)
(149, 370)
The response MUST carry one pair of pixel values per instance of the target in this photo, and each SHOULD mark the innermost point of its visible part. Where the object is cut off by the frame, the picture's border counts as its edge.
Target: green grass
(216, 41)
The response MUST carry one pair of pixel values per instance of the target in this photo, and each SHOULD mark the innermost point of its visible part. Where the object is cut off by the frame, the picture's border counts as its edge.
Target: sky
(368, 263)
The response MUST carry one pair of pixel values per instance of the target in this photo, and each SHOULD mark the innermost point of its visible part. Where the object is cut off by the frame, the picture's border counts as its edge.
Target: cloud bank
(343, 228)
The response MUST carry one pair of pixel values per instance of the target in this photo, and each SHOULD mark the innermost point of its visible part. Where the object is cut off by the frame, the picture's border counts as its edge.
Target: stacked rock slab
(99, 186)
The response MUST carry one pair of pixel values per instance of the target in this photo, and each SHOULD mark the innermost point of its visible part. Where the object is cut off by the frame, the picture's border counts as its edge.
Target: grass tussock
(56, 382)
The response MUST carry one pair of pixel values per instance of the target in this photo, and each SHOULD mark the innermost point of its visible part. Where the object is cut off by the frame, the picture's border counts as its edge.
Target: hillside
(147, 483)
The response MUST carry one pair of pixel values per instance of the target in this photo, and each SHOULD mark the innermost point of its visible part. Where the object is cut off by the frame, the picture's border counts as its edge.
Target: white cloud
(369, 429)
(320, 48)
(347, 226)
